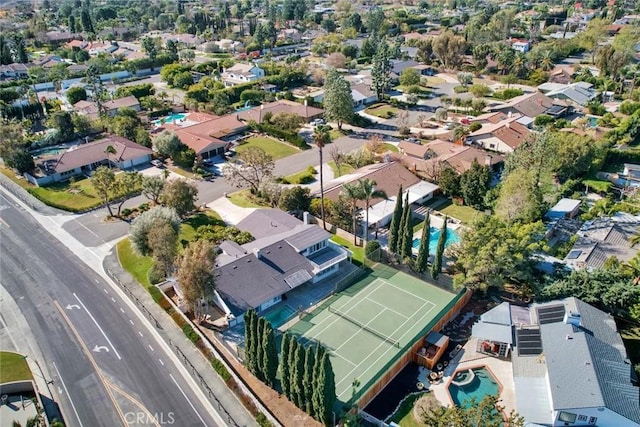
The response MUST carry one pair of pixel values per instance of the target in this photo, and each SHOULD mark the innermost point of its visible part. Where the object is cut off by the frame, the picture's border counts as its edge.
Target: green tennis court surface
(371, 324)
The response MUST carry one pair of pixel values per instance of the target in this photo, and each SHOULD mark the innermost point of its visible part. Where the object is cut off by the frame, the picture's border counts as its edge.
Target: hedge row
(291, 137)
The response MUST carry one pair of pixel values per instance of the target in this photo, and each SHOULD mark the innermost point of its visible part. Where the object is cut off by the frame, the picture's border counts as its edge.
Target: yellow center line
(135, 402)
(87, 352)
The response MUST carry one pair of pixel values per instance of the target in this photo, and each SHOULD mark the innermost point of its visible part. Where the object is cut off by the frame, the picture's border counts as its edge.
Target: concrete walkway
(230, 213)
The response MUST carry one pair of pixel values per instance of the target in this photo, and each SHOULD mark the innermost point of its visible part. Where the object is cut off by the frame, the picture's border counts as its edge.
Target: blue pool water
(51, 151)
(481, 385)
(280, 315)
(434, 234)
(170, 118)
(593, 122)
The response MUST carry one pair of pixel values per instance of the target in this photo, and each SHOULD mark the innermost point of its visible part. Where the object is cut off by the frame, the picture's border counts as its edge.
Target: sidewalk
(211, 384)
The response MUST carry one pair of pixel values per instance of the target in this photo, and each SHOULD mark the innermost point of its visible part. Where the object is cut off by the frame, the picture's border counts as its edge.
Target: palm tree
(519, 65)
(353, 193)
(632, 268)
(109, 151)
(368, 189)
(546, 61)
(635, 239)
(320, 139)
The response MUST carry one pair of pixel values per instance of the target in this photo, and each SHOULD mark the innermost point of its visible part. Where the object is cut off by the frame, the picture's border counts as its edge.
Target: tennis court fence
(363, 326)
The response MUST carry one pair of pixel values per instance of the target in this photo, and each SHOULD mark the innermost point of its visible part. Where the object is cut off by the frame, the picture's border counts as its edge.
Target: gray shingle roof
(307, 237)
(586, 364)
(267, 222)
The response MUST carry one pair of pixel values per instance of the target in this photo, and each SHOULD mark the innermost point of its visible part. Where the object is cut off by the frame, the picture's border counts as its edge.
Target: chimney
(305, 218)
(256, 252)
(487, 160)
(509, 114)
(262, 106)
(572, 318)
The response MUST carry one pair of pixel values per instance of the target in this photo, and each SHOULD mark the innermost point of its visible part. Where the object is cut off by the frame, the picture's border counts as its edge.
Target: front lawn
(307, 176)
(190, 225)
(466, 214)
(383, 111)
(389, 147)
(13, 367)
(274, 148)
(335, 134)
(434, 81)
(344, 168)
(244, 199)
(136, 265)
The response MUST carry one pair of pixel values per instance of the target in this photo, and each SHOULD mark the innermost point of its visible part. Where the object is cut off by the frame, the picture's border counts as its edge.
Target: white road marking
(150, 347)
(187, 399)
(161, 362)
(96, 322)
(105, 291)
(113, 299)
(122, 310)
(140, 333)
(75, 411)
(131, 321)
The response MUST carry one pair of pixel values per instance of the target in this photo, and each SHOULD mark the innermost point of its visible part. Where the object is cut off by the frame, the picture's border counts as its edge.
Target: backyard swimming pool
(170, 118)
(50, 151)
(280, 315)
(434, 234)
(472, 383)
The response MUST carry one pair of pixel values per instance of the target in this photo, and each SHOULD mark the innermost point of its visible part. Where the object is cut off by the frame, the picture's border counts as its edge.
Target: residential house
(84, 158)
(282, 106)
(241, 73)
(632, 173)
(77, 69)
(111, 107)
(259, 274)
(96, 48)
(570, 367)
(520, 45)
(494, 117)
(290, 35)
(603, 238)
(502, 137)
(580, 93)
(565, 208)
(58, 37)
(77, 44)
(531, 105)
(14, 71)
(87, 108)
(362, 94)
(207, 138)
(48, 61)
(388, 178)
(561, 74)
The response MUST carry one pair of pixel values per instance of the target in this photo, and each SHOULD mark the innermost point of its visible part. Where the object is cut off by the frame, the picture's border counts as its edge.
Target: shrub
(155, 275)
(371, 248)
(262, 420)
(596, 108)
(461, 89)
(474, 126)
(190, 333)
(141, 225)
(126, 212)
(291, 137)
(156, 294)
(629, 107)
(222, 370)
(507, 94)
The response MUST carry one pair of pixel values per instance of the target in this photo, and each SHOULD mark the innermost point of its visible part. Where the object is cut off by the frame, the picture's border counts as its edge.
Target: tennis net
(365, 327)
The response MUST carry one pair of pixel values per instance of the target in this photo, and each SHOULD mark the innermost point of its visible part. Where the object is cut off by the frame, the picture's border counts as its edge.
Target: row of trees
(261, 354)
(307, 378)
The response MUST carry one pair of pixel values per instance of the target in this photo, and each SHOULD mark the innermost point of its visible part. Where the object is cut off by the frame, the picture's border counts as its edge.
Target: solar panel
(574, 254)
(528, 342)
(297, 278)
(550, 314)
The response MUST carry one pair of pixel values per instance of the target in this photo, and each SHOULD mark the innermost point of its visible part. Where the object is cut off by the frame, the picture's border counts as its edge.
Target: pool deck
(469, 358)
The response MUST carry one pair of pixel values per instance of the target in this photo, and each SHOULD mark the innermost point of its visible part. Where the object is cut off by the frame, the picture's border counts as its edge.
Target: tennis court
(371, 324)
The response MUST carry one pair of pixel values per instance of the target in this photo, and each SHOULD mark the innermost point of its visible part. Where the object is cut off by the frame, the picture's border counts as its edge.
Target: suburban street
(107, 368)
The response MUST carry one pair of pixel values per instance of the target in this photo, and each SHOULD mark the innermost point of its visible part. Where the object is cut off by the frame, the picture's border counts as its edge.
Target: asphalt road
(107, 368)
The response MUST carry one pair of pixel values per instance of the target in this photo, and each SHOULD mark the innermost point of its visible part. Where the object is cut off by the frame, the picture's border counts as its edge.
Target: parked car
(317, 122)
(157, 163)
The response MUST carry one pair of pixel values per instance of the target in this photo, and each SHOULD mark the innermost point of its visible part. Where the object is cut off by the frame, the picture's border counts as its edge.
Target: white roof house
(381, 212)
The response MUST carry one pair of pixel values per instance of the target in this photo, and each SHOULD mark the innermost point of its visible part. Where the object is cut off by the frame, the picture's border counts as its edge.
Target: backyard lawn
(307, 176)
(466, 214)
(244, 199)
(190, 225)
(274, 148)
(13, 367)
(383, 111)
(358, 251)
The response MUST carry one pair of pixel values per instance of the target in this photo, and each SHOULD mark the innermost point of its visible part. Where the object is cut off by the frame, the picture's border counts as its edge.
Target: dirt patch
(426, 403)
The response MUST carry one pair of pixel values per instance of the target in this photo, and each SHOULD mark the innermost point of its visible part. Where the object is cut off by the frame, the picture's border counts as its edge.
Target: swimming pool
(472, 383)
(280, 315)
(593, 122)
(170, 118)
(434, 234)
(50, 151)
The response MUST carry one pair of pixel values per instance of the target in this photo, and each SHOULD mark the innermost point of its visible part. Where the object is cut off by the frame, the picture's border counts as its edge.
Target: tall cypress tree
(259, 348)
(316, 398)
(395, 223)
(407, 242)
(436, 268)
(293, 350)
(250, 323)
(298, 376)
(307, 379)
(328, 384)
(423, 250)
(285, 379)
(401, 229)
(270, 357)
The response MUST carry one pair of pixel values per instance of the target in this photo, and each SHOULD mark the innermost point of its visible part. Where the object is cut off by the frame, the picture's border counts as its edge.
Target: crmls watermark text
(146, 418)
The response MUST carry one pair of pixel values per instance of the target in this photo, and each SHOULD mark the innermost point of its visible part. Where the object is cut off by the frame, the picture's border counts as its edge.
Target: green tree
(520, 198)
(337, 102)
(150, 47)
(195, 273)
(449, 48)
(407, 241)
(61, 120)
(103, 181)
(76, 94)
(396, 219)
(474, 184)
(127, 183)
(285, 364)
(270, 355)
(353, 193)
(152, 187)
(297, 376)
(327, 388)
(163, 243)
(402, 229)
(320, 139)
(409, 77)
(495, 252)
(375, 21)
(139, 231)
(13, 149)
(180, 195)
(85, 18)
(254, 167)
(484, 413)
(308, 380)
(167, 144)
(297, 199)
(436, 268)
(421, 264)
(381, 69)
(316, 398)
(250, 345)
(369, 192)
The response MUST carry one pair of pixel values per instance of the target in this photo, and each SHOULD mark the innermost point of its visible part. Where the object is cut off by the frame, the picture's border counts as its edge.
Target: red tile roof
(282, 106)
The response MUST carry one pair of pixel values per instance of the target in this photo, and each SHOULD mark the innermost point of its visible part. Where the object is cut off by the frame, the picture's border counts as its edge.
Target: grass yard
(358, 251)
(244, 199)
(631, 338)
(466, 214)
(273, 147)
(344, 168)
(307, 176)
(434, 81)
(383, 111)
(335, 134)
(190, 225)
(597, 185)
(404, 414)
(138, 266)
(389, 147)
(13, 367)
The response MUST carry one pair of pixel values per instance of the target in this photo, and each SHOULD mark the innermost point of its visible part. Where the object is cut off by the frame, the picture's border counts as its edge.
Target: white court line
(187, 399)
(386, 351)
(336, 316)
(96, 322)
(75, 411)
(333, 353)
(400, 289)
(360, 330)
(386, 308)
